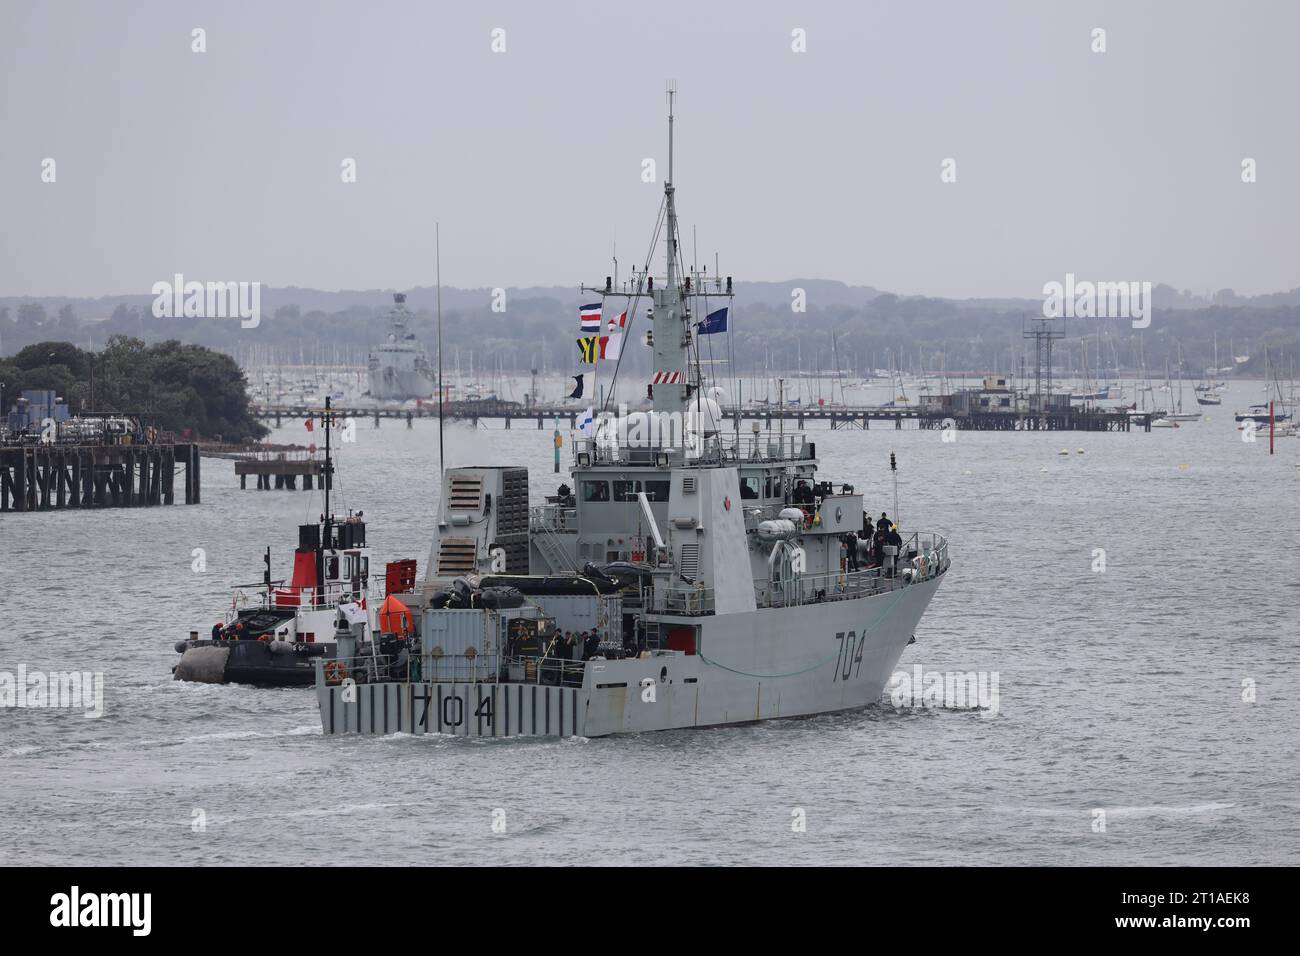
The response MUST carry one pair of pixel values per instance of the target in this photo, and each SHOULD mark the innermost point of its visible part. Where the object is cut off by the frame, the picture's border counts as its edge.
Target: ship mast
(670, 331)
(670, 317)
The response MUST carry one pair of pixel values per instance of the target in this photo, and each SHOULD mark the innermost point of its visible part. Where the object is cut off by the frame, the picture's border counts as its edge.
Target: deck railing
(449, 669)
(924, 555)
(553, 518)
(327, 598)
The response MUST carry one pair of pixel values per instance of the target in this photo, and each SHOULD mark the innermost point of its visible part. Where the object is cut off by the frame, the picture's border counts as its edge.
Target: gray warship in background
(704, 583)
(399, 367)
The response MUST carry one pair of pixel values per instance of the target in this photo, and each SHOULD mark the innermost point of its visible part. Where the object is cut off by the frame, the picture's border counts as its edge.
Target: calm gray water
(1120, 691)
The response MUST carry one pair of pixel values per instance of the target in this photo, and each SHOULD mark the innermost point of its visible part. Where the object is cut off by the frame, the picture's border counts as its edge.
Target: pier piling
(55, 477)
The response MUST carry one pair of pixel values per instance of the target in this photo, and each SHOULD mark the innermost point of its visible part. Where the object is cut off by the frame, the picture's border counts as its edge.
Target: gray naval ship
(690, 577)
(399, 367)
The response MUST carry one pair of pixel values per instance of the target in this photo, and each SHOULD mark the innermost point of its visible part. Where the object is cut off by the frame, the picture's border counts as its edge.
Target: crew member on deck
(892, 537)
(216, 631)
(883, 523)
(851, 543)
(802, 493)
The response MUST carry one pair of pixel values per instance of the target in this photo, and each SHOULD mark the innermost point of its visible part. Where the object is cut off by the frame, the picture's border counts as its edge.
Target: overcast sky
(226, 165)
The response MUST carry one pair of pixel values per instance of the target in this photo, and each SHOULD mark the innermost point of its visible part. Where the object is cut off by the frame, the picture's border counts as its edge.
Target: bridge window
(595, 491)
(749, 487)
(657, 490)
(626, 490)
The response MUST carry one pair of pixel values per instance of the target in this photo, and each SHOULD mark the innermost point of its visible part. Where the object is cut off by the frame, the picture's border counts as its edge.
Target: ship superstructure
(687, 578)
(399, 366)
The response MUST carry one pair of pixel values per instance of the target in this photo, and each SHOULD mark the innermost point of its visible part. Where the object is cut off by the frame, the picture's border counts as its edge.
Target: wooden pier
(40, 477)
(283, 472)
(839, 416)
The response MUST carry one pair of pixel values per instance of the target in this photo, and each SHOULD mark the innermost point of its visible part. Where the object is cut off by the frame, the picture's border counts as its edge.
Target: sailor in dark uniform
(802, 495)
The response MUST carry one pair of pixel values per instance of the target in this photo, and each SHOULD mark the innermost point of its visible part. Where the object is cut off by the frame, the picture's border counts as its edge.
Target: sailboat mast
(329, 467)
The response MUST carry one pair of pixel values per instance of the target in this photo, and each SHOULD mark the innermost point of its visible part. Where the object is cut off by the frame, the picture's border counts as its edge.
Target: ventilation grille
(688, 484)
(690, 565)
(466, 493)
(512, 505)
(455, 557)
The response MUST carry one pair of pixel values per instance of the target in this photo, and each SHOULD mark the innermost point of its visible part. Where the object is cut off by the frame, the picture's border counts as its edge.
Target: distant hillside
(864, 326)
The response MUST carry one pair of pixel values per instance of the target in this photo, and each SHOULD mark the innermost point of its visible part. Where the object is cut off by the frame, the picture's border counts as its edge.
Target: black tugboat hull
(257, 663)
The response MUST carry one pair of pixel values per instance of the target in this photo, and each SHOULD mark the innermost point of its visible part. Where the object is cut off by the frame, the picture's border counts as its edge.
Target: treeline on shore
(183, 389)
(871, 331)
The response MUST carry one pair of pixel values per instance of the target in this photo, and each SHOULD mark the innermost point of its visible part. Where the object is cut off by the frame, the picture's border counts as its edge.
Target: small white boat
(1164, 423)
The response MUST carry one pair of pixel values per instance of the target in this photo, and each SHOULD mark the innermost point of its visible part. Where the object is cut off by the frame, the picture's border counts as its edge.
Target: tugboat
(688, 578)
(399, 367)
(275, 642)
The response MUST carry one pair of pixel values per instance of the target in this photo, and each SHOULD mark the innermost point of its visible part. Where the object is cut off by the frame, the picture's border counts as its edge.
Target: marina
(839, 416)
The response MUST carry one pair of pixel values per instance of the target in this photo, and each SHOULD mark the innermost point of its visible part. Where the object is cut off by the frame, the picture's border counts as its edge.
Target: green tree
(41, 354)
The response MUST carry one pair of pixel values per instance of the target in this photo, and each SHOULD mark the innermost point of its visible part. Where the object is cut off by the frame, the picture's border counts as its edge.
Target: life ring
(336, 672)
